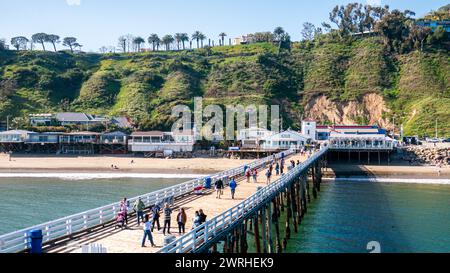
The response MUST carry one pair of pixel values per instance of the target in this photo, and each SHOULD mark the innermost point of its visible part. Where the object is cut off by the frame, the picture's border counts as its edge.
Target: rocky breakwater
(419, 155)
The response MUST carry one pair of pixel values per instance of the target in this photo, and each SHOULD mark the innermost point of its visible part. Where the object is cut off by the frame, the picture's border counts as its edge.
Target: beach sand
(103, 164)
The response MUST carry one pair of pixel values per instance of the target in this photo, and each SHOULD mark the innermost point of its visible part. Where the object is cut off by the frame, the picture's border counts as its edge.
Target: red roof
(347, 126)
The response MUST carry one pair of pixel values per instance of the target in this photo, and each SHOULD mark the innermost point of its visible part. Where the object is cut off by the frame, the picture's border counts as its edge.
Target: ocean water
(400, 217)
(29, 201)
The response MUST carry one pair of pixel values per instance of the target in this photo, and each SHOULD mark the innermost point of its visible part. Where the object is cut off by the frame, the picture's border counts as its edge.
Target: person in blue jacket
(233, 186)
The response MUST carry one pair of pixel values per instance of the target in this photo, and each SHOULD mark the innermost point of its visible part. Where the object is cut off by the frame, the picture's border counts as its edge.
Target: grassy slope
(146, 86)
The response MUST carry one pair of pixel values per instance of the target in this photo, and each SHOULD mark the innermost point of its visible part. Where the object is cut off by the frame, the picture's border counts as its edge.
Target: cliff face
(369, 109)
(349, 83)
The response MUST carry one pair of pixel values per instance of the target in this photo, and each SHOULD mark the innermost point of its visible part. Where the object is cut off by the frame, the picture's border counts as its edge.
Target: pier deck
(129, 240)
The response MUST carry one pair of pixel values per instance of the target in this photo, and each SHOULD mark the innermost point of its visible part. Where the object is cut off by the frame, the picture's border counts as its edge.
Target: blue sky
(99, 23)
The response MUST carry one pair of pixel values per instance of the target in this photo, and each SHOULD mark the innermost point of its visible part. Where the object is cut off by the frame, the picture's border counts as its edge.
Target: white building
(156, 141)
(341, 141)
(309, 129)
(285, 140)
(251, 138)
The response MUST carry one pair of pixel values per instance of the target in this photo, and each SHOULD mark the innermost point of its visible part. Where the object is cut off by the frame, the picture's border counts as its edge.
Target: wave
(91, 176)
(389, 180)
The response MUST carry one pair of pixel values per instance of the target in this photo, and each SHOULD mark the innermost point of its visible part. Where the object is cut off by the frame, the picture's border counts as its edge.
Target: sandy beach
(124, 163)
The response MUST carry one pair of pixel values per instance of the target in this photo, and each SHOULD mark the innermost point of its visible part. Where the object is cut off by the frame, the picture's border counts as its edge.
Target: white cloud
(73, 2)
(374, 2)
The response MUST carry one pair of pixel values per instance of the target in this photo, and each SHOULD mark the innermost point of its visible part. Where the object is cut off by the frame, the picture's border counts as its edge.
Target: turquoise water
(30, 201)
(401, 217)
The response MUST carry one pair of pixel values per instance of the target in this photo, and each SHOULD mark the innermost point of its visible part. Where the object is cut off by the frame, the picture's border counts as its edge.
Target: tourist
(233, 186)
(247, 174)
(139, 207)
(155, 214)
(196, 222)
(282, 167)
(277, 169)
(202, 216)
(181, 219)
(147, 232)
(219, 186)
(268, 175)
(167, 212)
(124, 208)
(298, 162)
(271, 167)
(255, 176)
(120, 220)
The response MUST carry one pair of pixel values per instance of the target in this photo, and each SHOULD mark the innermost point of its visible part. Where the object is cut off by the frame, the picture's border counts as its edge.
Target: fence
(209, 230)
(18, 241)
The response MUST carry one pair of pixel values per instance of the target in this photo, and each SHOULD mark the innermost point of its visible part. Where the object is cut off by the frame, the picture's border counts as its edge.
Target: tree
(138, 41)
(103, 49)
(222, 36)
(279, 35)
(154, 40)
(40, 38)
(196, 37)
(437, 37)
(19, 42)
(308, 31)
(122, 43)
(77, 45)
(69, 42)
(53, 39)
(393, 29)
(184, 39)
(418, 35)
(167, 41)
(202, 37)
(178, 39)
(2, 44)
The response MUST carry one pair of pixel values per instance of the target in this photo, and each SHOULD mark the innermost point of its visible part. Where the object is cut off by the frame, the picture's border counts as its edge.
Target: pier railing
(208, 231)
(18, 241)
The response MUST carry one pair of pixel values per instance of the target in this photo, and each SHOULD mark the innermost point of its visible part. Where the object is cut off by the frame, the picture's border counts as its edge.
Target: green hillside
(145, 86)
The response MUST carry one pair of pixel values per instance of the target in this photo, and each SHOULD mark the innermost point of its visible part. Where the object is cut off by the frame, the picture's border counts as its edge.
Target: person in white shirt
(147, 231)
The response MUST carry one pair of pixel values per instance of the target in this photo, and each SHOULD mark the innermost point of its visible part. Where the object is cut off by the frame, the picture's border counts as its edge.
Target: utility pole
(7, 122)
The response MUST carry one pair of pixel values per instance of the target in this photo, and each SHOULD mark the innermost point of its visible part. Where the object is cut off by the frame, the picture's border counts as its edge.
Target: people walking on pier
(139, 207)
(298, 162)
(202, 216)
(196, 220)
(124, 208)
(277, 169)
(255, 176)
(155, 214)
(268, 176)
(181, 219)
(233, 186)
(219, 187)
(167, 212)
(120, 220)
(147, 231)
(248, 174)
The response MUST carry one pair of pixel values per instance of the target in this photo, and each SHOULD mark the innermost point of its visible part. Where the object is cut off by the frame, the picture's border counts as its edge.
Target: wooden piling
(294, 207)
(269, 226)
(288, 215)
(264, 229)
(256, 232)
(277, 226)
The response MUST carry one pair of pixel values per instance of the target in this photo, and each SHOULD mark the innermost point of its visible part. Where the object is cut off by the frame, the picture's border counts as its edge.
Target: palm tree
(184, 38)
(178, 39)
(167, 41)
(279, 33)
(196, 36)
(154, 40)
(202, 37)
(137, 43)
(223, 35)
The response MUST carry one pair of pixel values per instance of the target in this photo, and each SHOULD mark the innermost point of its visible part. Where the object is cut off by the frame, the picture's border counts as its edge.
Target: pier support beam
(277, 227)
(256, 232)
